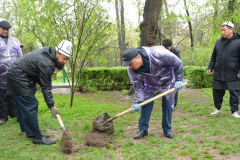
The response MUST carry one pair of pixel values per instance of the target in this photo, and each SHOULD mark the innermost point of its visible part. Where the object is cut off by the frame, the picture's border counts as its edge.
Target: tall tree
(189, 24)
(149, 25)
(168, 23)
(120, 44)
(123, 26)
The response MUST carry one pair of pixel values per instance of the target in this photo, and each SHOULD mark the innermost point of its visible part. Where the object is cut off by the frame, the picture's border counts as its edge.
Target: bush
(198, 77)
(102, 78)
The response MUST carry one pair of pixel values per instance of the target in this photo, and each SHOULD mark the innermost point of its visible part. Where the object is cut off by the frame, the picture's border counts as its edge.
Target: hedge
(103, 78)
(116, 78)
(198, 77)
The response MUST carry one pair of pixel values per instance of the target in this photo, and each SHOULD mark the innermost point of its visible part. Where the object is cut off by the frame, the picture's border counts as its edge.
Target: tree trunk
(189, 24)
(149, 25)
(119, 32)
(122, 27)
(168, 23)
(231, 9)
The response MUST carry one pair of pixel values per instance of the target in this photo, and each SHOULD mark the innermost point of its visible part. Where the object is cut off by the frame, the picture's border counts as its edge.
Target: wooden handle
(60, 122)
(144, 103)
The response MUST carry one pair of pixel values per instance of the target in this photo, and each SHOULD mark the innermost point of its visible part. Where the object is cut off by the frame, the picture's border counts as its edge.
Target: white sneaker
(215, 112)
(236, 115)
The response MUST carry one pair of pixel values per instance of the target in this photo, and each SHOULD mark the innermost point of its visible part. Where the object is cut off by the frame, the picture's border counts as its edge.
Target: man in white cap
(36, 67)
(225, 62)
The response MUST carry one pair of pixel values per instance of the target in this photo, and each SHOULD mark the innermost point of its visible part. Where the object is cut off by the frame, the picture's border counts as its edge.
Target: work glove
(178, 85)
(136, 107)
(54, 111)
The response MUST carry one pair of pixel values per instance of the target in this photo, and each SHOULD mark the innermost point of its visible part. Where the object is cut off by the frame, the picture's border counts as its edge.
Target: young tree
(82, 22)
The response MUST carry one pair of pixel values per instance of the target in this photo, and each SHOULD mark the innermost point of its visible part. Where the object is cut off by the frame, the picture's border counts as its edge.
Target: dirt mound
(101, 129)
(67, 142)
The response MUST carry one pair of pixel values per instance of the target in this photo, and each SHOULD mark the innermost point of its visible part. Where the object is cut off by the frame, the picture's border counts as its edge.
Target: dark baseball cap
(128, 55)
(5, 24)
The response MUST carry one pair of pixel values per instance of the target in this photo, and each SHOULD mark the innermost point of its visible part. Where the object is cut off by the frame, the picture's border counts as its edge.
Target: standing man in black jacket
(167, 43)
(225, 61)
(36, 67)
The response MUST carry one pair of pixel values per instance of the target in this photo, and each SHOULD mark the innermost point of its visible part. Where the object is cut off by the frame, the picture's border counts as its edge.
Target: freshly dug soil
(67, 142)
(101, 129)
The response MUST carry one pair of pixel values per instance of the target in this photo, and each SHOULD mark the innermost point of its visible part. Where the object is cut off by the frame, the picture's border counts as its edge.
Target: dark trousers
(234, 99)
(7, 107)
(166, 116)
(27, 113)
(176, 99)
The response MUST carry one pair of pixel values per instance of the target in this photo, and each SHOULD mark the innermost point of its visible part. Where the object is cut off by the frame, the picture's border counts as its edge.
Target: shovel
(104, 121)
(67, 141)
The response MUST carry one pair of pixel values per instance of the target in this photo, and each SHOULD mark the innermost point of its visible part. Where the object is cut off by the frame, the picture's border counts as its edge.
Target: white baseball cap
(229, 24)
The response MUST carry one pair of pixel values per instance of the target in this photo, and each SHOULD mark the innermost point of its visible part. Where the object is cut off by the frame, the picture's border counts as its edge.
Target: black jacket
(34, 67)
(176, 51)
(225, 59)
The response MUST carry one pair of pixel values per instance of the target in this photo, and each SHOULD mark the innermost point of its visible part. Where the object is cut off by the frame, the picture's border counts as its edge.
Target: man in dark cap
(151, 69)
(9, 51)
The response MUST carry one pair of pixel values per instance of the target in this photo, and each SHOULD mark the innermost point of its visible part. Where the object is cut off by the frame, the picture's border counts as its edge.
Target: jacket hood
(235, 36)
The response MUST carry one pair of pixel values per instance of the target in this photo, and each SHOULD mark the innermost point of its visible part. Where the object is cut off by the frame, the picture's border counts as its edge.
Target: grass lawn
(197, 134)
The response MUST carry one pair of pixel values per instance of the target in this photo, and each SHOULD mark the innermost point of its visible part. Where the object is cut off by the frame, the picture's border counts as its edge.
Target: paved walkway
(60, 85)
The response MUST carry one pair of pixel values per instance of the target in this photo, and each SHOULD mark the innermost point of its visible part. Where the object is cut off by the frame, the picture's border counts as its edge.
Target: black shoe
(44, 135)
(2, 121)
(44, 141)
(141, 134)
(169, 134)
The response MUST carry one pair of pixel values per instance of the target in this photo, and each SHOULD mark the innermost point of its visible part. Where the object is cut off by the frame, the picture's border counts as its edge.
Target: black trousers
(27, 113)
(218, 99)
(7, 107)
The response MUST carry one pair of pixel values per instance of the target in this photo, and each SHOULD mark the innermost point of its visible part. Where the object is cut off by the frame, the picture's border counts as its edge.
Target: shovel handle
(144, 103)
(60, 122)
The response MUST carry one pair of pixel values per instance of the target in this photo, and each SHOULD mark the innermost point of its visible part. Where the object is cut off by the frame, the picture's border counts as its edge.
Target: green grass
(59, 80)
(197, 134)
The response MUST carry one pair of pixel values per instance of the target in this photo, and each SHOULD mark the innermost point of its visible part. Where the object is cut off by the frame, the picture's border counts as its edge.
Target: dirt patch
(57, 135)
(67, 142)
(101, 129)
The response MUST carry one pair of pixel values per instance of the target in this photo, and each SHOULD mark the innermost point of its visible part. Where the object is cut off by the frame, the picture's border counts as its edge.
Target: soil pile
(101, 129)
(67, 142)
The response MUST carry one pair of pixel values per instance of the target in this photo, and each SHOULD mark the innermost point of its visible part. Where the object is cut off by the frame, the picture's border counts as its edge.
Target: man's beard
(59, 66)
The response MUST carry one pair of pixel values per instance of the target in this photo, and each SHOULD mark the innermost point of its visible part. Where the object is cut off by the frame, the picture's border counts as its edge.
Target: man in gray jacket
(167, 43)
(35, 67)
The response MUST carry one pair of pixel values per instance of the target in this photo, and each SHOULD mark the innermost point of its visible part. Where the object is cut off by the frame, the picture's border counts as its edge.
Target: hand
(178, 85)
(209, 71)
(54, 111)
(238, 75)
(136, 107)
